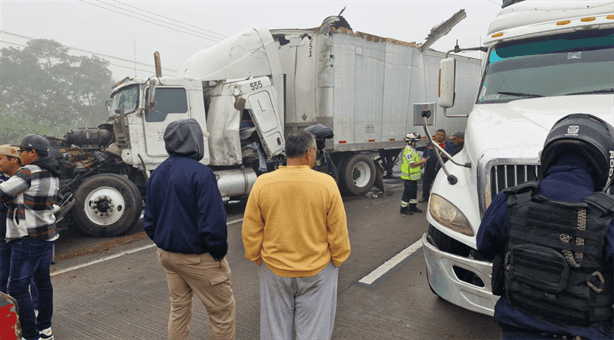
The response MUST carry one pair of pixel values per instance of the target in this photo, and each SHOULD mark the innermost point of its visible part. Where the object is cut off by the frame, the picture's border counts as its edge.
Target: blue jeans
(5, 267)
(30, 260)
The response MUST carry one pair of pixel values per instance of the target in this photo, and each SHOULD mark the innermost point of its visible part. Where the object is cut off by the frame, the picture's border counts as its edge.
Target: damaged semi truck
(248, 92)
(545, 60)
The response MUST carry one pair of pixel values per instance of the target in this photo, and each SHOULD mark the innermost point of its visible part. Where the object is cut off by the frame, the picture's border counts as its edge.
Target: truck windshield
(127, 99)
(564, 64)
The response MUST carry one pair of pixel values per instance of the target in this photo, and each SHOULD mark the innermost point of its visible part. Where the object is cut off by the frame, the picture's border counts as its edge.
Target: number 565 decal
(256, 85)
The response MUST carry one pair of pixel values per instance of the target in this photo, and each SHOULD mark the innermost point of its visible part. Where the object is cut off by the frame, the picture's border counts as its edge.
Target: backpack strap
(602, 201)
(521, 193)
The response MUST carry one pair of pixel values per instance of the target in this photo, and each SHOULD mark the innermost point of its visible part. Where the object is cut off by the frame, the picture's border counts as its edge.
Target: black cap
(36, 142)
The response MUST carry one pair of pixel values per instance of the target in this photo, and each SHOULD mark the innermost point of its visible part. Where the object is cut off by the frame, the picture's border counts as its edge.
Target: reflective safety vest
(408, 172)
(554, 266)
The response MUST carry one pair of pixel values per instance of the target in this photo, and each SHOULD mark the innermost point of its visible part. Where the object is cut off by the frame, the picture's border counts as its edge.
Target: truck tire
(356, 174)
(445, 243)
(107, 205)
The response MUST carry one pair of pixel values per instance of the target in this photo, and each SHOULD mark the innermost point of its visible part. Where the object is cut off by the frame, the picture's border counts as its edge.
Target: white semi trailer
(545, 60)
(248, 91)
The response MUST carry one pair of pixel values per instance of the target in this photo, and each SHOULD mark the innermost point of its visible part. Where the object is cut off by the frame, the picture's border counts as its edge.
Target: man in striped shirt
(31, 230)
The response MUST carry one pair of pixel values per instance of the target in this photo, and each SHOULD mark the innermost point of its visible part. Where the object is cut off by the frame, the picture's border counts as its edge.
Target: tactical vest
(324, 164)
(554, 257)
(407, 172)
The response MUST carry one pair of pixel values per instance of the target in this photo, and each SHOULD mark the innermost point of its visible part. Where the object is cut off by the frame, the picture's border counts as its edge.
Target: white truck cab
(544, 60)
(182, 98)
(146, 127)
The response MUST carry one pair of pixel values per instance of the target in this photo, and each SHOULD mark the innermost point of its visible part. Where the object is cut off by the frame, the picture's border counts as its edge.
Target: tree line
(47, 91)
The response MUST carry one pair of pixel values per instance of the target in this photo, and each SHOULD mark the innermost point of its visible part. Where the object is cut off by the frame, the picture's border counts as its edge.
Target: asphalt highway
(115, 288)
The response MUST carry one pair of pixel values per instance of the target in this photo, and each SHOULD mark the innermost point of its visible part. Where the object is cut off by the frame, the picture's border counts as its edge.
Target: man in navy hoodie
(185, 217)
(554, 239)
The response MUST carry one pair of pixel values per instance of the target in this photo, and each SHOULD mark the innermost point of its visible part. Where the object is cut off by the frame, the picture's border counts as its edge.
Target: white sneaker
(46, 334)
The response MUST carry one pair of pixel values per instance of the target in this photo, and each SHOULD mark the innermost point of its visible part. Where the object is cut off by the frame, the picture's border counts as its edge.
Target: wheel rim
(104, 205)
(361, 173)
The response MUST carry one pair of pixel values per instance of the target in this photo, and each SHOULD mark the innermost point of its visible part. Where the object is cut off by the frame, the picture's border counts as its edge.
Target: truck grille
(502, 168)
(505, 176)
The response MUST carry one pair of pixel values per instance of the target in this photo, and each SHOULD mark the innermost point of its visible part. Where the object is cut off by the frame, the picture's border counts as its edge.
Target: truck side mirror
(447, 78)
(151, 99)
(108, 106)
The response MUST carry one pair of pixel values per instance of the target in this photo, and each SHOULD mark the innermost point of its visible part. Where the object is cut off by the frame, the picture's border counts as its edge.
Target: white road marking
(235, 221)
(388, 265)
(110, 257)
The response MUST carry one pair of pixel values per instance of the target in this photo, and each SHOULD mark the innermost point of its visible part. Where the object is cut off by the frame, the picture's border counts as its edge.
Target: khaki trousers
(201, 274)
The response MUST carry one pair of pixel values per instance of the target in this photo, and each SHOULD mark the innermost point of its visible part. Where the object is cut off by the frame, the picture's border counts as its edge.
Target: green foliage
(12, 129)
(44, 88)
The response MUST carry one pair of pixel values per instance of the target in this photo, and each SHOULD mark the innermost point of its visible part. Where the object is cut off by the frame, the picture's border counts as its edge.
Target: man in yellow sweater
(295, 223)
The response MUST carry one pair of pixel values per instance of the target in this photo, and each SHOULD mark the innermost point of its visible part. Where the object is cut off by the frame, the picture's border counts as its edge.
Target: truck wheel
(448, 244)
(357, 174)
(107, 205)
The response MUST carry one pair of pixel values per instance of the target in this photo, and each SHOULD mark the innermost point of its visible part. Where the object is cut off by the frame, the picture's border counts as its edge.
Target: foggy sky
(99, 26)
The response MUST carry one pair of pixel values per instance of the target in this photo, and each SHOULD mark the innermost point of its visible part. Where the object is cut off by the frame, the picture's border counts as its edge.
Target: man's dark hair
(441, 130)
(298, 142)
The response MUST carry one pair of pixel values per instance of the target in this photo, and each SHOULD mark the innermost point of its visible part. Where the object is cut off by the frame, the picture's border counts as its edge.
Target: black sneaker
(46, 334)
(415, 209)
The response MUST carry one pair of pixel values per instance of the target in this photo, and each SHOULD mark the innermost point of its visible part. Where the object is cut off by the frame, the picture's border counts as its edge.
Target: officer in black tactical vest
(552, 241)
(324, 163)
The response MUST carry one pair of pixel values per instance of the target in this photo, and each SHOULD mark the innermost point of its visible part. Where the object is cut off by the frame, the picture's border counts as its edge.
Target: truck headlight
(449, 215)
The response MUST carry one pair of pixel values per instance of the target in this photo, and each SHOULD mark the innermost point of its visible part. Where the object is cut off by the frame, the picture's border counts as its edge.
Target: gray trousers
(307, 303)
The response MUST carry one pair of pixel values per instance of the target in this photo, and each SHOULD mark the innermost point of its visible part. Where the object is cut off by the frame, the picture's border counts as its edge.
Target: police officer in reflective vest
(410, 173)
(552, 241)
